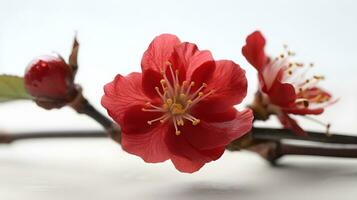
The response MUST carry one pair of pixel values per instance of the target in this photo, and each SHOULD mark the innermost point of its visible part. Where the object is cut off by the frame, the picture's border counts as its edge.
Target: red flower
(284, 88)
(180, 107)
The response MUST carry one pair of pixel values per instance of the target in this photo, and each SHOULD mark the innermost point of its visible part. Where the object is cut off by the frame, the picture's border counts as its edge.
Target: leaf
(12, 88)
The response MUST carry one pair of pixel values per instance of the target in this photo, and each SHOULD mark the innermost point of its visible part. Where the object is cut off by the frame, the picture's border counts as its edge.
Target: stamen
(177, 132)
(198, 91)
(157, 119)
(304, 101)
(159, 93)
(189, 88)
(191, 118)
(327, 125)
(177, 99)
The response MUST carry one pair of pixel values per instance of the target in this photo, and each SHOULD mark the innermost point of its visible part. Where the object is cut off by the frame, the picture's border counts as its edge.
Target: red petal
(189, 57)
(254, 50)
(151, 79)
(282, 94)
(230, 86)
(304, 111)
(185, 165)
(159, 52)
(140, 138)
(208, 116)
(121, 94)
(135, 120)
(203, 74)
(188, 166)
(291, 124)
(208, 135)
(186, 157)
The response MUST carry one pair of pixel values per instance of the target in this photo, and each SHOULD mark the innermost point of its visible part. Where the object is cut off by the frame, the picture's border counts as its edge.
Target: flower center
(177, 100)
(295, 74)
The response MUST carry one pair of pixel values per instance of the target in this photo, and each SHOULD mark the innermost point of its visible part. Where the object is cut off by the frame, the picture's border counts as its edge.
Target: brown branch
(279, 134)
(82, 106)
(340, 151)
(6, 138)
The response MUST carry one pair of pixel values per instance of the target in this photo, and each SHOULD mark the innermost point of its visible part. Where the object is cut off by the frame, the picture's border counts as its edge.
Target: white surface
(95, 169)
(113, 36)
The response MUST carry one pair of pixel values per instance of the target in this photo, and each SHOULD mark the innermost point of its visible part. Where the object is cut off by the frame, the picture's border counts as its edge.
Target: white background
(113, 36)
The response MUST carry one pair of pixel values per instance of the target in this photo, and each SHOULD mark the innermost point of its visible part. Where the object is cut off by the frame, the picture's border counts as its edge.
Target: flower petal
(159, 52)
(208, 135)
(282, 94)
(291, 124)
(188, 166)
(253, 51)
(229, 84)
(150, 80)
(135, 120)
(187, 158)
(303, 111)
(122, 93)
(188, 56)
(144, 140)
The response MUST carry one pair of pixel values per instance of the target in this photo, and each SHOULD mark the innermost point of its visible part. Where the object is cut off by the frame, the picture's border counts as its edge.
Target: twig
(6, 138)
(279, 134)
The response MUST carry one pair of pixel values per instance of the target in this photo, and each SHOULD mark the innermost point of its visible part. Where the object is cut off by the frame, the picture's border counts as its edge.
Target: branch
(82, 106)
(279, 134)
(6, 138)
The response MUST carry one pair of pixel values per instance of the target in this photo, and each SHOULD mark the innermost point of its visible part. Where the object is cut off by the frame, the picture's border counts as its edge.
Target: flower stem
(82, 106)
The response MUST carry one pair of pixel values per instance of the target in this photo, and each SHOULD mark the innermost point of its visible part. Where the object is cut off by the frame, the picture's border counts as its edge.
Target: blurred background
(113, 36)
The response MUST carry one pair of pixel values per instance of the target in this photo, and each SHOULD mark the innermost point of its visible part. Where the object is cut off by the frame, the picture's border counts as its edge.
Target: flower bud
(49, 79)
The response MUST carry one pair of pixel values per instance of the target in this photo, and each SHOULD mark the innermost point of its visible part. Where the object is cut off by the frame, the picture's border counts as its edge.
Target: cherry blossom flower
(284, 88)
(181, 107)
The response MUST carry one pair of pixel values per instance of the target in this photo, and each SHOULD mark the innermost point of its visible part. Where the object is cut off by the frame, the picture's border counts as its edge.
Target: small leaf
(74, 55)
(12, 88)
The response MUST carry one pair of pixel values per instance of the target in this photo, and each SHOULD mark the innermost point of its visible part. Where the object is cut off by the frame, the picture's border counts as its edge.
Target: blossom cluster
(181, 106)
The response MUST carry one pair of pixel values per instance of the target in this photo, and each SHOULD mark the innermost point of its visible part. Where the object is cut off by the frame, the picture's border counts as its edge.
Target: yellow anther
(168, 63)
(162, 81)
(165, 107)
(204, 84)
(180, 122)
(177, 109)
(182, 96)
(178, 132)
(290, 53)
(189, 102)
(195, 122)
(200, 94)
(319, 77)
(192, 83)
(169, 101)
(299, 64)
